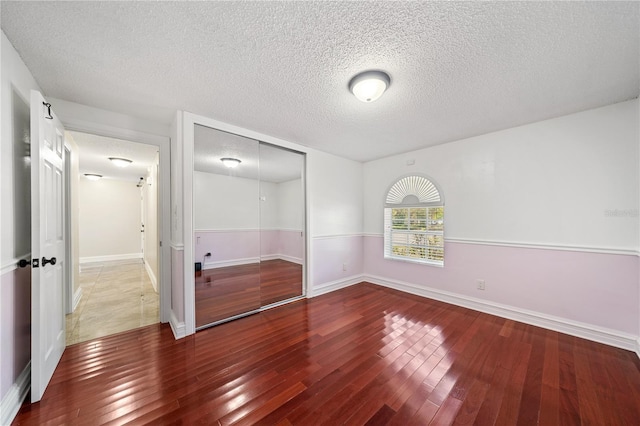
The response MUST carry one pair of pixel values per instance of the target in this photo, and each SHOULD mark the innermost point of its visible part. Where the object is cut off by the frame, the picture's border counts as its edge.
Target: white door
(47, 244)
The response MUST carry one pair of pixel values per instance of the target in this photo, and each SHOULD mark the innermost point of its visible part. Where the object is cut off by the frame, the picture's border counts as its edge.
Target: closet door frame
(186, 127)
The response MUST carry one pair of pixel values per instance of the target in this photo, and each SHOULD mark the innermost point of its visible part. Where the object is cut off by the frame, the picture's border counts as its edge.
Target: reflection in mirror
(226, 225)
(281, 224)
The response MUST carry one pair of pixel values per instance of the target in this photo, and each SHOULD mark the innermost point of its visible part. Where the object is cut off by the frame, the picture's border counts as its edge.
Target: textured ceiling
(94, 152)
(457, 69)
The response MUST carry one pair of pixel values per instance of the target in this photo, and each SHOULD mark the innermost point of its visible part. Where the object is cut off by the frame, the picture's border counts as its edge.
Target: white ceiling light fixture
(92, 176)
(369, 85)
(231, 163)
(120, 162)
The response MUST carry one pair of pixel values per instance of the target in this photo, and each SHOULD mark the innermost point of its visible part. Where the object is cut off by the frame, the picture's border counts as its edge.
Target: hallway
(116, 296)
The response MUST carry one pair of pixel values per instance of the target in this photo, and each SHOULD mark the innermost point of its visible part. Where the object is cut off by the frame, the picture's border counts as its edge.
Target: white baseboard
(109, 258)
(234, 262)
(76, 298)
(335, 285)
(638, 347)
(14, 397)
(152, 276)
(179, 328)
(563, 325)
(12, 264)
(266, 257)
(284, 257)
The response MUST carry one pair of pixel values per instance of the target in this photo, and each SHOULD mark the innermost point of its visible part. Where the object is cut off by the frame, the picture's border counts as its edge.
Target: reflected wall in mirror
(248, 225)
(226, 225)
(281, 224)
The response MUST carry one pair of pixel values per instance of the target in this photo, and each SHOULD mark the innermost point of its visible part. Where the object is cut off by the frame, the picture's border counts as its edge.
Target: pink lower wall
(592, 288)
(291, 244)
(330, 253)
(226, 246)
(15, 326)
(269, 242)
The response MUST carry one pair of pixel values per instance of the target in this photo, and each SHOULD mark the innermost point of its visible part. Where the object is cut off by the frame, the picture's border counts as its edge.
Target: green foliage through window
(417, 233)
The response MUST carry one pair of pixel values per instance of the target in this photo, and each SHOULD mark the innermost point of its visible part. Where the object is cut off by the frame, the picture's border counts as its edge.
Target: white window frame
(414, 192)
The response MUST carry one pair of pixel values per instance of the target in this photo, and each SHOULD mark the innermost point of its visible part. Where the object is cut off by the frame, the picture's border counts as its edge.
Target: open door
(47, 244)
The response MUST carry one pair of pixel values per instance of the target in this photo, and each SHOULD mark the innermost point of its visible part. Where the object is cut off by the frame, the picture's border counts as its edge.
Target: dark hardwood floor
(360, 355)
(279, 280)
(224, 292)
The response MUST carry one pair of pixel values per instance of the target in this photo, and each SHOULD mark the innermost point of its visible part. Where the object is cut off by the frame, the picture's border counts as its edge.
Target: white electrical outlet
(480, 284)
(344, 266)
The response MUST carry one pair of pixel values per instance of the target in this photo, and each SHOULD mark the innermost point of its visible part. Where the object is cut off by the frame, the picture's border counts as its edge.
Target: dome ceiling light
(231, 163)
(369, 85)
(120, 162)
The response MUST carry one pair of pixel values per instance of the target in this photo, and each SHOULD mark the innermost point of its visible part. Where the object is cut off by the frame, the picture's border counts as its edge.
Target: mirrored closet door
(281, 224)
(248, 225)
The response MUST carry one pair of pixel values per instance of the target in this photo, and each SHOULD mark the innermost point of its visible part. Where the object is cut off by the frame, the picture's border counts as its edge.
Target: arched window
(414, 221)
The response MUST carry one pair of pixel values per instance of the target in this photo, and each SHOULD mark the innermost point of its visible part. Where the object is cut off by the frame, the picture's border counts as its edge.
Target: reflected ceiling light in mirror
(92, 176)
(369, 85)
(120, 162)
(231, 163)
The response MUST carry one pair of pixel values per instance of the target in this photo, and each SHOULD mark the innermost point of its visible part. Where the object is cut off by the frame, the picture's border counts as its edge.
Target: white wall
(225, 202)
(291, 205)
(334, 191)
(546, 214)
(110, 217)
(269, 205)
(334, 194)
(16, 82)
(550, 182)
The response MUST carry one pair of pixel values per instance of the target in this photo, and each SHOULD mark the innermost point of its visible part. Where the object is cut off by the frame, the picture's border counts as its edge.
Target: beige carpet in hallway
(116, 296)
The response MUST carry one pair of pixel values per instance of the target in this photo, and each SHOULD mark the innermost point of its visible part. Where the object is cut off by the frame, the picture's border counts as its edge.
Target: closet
(249, 225)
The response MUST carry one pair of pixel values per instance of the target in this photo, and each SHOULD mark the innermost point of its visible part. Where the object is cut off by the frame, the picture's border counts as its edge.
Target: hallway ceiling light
(231, 163)
(369, 85)
(120, 162)
(92, 176)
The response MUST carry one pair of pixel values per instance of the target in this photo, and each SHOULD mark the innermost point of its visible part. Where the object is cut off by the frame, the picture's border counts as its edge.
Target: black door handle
(52, 261)
(23, 263)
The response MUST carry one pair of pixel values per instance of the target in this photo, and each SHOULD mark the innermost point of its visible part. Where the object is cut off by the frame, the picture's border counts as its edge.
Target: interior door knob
(52, 261)
(23, 263)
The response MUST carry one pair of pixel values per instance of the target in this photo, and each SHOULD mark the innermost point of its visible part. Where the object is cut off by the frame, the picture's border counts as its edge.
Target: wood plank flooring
(224, 292)
(364, 355)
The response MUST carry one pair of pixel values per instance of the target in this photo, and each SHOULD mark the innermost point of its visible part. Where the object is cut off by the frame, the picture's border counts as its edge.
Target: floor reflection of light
(236, 402)
(123, 405)
(425, 343)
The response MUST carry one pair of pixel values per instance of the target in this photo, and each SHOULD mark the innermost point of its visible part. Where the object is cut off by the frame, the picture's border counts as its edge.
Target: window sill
(417, 261)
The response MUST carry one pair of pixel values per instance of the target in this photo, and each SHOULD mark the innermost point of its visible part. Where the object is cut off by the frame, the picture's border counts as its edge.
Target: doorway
(113, 195)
